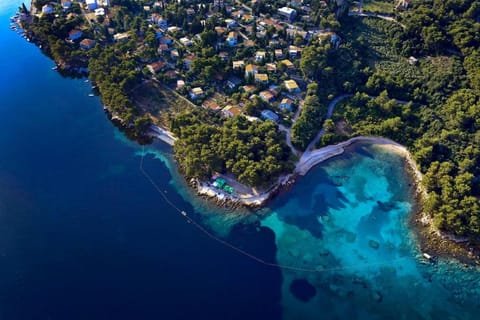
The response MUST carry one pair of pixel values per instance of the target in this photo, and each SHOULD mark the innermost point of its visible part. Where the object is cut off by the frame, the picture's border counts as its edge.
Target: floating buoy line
(192, 221)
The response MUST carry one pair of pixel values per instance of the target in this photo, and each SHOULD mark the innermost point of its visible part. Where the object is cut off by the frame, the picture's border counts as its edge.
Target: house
(286, 103)
(232, 39)
(250, 70)
(220, 30)
(249, 88)
(239, 64)
(87, 44)
(261, 78)
(75, 34)
(180, 84)
(173, 29)
(291, 86)
(230, 23)
(159, 21)
(186, 41)
(260, 56)
(287, 13)
(187, 62)
(249, 43)
(288, 64)
(47, 9)
(196, 93)
(120, 37)
(163, 49)
(293, 51)
(247, 18)
(174, 54)
(66, 4)
(267, 96)
(278, 53)
(269, 115)
(231, 111)
(271, 67)
(166, 40)
(233, 82)
(156, 67)
(211, 104)
(91, 4)
(99, 12)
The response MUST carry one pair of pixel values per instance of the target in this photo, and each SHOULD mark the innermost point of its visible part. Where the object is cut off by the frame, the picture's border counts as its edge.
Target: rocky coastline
(431, 240)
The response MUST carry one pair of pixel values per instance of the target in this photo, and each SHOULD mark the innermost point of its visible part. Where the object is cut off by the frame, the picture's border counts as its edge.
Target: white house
(47, 9)
(288, 13)
(99, 12)
(186, 41)
(119, 37)
(260, 56)
(91, 4)
(66, 4)
(196, 93)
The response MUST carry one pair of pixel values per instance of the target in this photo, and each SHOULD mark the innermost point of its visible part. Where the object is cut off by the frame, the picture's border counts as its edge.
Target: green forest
(254, 152)
(440, 123)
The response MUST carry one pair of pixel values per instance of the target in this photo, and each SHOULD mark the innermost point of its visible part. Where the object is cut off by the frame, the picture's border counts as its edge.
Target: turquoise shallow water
(348, 218)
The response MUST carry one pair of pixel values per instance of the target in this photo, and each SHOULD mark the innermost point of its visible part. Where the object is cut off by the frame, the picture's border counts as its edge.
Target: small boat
(87, 81)
(184, 213)
(91, 95)
(55, 68)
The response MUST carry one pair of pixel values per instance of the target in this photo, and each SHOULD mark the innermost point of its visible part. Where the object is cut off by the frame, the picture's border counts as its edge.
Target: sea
(91, 224)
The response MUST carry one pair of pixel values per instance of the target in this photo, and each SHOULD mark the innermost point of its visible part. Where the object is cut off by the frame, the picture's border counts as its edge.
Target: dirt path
(376, 15)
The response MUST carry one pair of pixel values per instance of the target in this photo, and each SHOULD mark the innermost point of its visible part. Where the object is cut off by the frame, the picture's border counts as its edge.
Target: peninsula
(251, 93)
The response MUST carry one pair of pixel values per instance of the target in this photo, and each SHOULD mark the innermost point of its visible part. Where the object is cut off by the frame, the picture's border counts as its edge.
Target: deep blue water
(84, 235)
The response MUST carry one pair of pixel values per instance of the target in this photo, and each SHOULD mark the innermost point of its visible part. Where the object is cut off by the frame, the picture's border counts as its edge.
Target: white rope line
(243, 252)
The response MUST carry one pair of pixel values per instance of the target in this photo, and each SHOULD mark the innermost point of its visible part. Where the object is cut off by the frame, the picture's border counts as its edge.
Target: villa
(269, 115)
(232, 39)
(292, 86)
(75, 34)
(196, 93)
(250, 70)
(87, 44)
(261, 78)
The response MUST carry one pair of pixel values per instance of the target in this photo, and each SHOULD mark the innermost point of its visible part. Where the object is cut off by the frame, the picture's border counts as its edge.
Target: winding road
(331, 106)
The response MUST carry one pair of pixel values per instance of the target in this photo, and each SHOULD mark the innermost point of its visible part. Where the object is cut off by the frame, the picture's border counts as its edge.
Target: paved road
(331, 106)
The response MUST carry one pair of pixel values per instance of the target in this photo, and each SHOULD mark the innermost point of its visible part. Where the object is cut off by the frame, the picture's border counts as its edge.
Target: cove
(348, 220)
